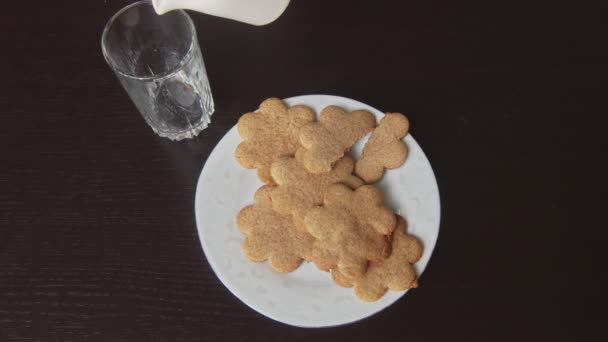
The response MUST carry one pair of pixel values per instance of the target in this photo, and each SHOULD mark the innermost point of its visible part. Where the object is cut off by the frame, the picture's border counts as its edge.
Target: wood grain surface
(508, 99)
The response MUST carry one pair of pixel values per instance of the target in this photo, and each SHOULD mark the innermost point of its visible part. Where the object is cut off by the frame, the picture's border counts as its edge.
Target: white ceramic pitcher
(254, 12)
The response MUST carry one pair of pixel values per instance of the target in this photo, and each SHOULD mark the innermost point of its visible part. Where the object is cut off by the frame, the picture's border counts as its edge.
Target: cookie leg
(398, 154)
(340, 279)
(406, 281)
(353, 269)
(369, 293)
(253, 252)
(284, 263)
(322, 258)
(264, 175)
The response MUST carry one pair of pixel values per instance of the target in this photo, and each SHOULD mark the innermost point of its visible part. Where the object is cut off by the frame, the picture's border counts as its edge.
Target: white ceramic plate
(306, 297)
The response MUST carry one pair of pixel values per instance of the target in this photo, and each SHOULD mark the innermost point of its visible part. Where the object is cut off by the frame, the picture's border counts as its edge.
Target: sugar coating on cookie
(384, 149)
(299, 190)
(270, 133)
(396, 272)
(350, 229)
(272, 236)
(336, 131)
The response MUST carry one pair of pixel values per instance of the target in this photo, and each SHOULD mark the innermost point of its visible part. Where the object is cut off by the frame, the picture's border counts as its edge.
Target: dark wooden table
(97, 234)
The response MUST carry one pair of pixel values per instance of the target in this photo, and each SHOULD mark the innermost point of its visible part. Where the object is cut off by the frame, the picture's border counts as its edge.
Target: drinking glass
(159, 63)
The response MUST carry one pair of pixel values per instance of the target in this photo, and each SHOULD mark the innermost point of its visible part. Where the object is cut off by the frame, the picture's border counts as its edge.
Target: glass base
(189, 134)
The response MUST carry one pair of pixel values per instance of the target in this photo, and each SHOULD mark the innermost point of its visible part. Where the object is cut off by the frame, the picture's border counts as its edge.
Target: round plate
(307, 297)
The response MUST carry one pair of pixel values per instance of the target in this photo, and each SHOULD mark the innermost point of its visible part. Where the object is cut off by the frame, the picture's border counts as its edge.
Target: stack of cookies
(318, 204)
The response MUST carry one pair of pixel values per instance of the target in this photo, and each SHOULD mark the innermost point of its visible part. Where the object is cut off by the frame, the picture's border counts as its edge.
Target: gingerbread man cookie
(384, 149)
(395, 273)
(272, 236)
(269, 134)
(299, 190)
(349, 230)
(327, 140)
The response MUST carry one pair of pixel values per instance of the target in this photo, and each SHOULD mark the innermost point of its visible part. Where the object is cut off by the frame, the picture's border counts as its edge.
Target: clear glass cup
(159, 63)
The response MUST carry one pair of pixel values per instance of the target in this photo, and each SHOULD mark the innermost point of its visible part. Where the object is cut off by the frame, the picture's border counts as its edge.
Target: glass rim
(165, 74)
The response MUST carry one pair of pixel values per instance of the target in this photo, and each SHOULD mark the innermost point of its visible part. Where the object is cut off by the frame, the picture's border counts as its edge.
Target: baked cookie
(271, 133)
(365, 203)
(336, 131)
(384, 149)
(395, 273)
(272, 236)
(342, 242)
(299, 190)
(350, 229)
